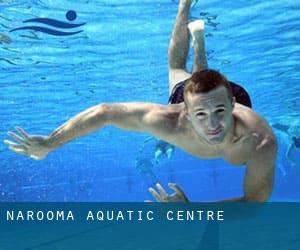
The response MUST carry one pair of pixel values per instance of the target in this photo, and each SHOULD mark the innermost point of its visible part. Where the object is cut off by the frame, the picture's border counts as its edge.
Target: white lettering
(210, 215)
(200, 214)
(70, 215)
(120, 215)
(40, 215)
(220, 215)
(140, 215)
(168, 217)
(20, 216)
(148, 213)
(90, 216)
(9, 215)
(100, 215)
(112, 215)
(190, 215)
(130, 214)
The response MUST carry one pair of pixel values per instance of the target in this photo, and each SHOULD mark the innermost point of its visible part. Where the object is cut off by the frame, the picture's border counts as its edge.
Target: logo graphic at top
(70, 15)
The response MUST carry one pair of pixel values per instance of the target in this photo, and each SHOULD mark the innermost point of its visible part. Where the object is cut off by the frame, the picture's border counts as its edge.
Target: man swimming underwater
(208, 118)
(292, 129)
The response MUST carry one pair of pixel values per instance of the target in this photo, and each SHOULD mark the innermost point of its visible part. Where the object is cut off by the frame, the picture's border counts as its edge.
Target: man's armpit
(161, 120)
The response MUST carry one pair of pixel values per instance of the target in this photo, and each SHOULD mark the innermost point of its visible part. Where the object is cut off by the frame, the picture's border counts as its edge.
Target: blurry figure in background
(292, 131)
(162, 149)
(145, 169)
(150, 154)
(283, 143)
(146, 159)
(4, 39)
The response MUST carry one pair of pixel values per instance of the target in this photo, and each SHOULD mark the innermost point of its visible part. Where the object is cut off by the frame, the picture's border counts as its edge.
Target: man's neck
(231, 134)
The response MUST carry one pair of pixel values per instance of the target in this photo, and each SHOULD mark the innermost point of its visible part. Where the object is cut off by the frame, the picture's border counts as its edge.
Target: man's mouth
(215, 131)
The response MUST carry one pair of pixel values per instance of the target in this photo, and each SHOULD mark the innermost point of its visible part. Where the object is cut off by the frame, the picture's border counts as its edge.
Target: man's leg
(196, 29)
(179, 46)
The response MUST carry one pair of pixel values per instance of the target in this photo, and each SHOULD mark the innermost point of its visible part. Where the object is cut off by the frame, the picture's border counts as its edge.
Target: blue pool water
(121, 55)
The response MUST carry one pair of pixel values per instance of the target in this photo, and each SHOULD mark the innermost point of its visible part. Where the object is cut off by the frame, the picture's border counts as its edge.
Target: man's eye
(220, 111)
(201, 114)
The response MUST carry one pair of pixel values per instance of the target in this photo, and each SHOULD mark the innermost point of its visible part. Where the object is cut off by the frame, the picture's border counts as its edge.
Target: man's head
(209, 103)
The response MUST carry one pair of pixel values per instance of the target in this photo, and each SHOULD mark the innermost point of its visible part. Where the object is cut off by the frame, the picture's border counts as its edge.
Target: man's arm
(143, 117)
(147, 117)
(258, 180)
(259, 177)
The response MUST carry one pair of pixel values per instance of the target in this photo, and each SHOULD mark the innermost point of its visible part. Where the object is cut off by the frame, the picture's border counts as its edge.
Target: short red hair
(205, 81)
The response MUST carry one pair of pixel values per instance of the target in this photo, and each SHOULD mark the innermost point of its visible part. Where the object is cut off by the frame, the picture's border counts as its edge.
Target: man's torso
(249, 131)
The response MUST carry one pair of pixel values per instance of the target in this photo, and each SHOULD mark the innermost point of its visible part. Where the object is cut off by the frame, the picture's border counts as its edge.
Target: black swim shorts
(240, 94)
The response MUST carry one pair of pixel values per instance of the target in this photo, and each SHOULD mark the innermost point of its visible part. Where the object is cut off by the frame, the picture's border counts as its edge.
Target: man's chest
(236, 153)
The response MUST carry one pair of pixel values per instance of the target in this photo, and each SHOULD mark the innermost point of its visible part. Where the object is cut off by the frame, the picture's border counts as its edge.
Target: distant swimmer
(146, 161)
(293, 131)
(145, 169)
(283, 142)
(161, 149)
(208, 117)
(4, 39)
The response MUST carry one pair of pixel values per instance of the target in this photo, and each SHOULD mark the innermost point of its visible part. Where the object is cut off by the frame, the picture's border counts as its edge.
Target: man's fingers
(23, 133)
(11, 144)
(155, 194)
(162, 192)
(35, 157)
(16, 137)
(18, 150)
(176, 188)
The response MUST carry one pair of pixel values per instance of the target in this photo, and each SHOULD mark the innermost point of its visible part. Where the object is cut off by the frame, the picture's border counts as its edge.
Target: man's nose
(213, 123)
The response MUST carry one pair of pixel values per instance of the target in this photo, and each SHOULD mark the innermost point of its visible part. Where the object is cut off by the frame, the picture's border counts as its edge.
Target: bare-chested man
(208, 117)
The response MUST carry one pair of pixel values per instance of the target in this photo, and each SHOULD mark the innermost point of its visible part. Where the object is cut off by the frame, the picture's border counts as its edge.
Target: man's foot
(185, 3)
(196, 29)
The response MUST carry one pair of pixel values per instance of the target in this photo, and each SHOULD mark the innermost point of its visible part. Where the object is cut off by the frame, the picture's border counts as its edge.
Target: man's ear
(233, 101)
(186, 113)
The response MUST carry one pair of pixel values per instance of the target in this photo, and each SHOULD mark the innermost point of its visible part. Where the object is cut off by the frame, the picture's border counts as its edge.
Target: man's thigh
(176, 76)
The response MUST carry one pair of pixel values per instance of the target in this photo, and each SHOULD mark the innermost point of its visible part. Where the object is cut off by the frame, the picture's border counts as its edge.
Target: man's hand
(163, 196)
(33, 146)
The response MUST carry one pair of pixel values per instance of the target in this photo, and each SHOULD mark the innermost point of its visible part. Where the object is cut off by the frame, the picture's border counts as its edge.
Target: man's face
(210, 114)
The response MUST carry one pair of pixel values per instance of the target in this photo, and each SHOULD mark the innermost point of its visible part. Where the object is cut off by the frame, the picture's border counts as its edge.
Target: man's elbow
(263, 197)
(259, 197)
(271, 144)
(104, 111)
(267, 144)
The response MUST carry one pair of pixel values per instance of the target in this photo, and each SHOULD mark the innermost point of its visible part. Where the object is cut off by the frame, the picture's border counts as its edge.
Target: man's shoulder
(252, 124)
(255, 133)
(249, 119)
(165, 122)
(170, 111)
(167, 115)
